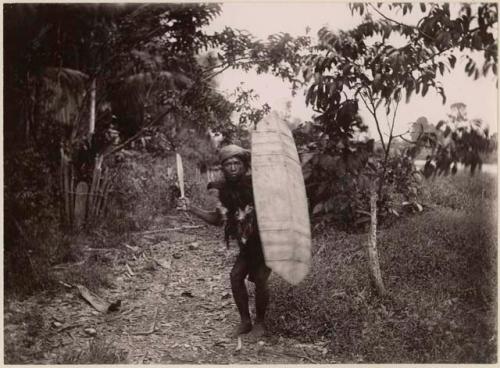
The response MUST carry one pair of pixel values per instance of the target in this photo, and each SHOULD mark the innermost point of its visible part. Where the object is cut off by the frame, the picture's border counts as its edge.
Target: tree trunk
(375, 273)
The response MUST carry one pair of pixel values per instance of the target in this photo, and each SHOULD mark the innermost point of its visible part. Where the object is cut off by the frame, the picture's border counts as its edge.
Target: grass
(29, 331)
(98, 352)
(439, 267)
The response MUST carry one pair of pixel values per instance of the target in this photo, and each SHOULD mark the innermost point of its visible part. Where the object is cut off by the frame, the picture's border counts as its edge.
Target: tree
(83, 83)
(361, 66)
(456, 140)
(131, 71)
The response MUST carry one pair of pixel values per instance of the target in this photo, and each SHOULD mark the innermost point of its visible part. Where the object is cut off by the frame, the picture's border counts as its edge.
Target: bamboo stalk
(107, 182)
(92, 107)
(90, 195)
(102, 190)
(61, 186)
(66, 192)
(93, 196)
(105, 197)
(107, 190)
(72, 196)
(98, 194)
(97, 183)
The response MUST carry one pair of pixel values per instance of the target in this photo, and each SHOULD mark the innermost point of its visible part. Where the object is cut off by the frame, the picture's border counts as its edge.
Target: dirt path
(176, 308)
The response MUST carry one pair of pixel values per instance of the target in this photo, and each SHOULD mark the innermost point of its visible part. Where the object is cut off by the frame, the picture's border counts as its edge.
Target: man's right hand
(183, 204)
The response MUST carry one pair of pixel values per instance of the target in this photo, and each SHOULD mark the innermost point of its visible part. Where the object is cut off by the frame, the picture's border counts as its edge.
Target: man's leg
(261, 298)
(240, 295)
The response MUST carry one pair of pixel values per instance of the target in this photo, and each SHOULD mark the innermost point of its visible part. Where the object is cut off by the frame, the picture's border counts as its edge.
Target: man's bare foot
(259, 329)
(242, 328)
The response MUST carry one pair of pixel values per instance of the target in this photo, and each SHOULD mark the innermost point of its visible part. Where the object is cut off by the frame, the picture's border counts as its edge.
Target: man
(236, 211)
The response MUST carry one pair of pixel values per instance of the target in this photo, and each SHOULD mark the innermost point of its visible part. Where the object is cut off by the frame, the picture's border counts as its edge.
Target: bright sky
(263, 19)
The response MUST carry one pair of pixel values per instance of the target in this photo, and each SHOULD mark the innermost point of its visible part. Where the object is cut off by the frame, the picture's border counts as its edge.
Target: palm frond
(70, 80)
(67, 88)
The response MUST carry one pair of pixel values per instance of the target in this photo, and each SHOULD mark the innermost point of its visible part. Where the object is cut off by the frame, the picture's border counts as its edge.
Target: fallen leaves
(191, 281)
(134, 249)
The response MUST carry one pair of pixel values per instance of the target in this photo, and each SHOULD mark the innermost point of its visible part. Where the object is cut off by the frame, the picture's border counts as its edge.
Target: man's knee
(237, 275)
(261, 277)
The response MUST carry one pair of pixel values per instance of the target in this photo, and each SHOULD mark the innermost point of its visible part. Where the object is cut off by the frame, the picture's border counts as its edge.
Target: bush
(339, 186)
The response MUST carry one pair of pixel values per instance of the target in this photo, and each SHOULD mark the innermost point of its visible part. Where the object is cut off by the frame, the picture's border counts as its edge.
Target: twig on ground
(71, 335)
(290, 354)
(144, 357)
(101, 250)
(129, 269)
(187, 227)
(307, 357)
(69, 327)
(133, 249)
(239, 344)
(69, 286)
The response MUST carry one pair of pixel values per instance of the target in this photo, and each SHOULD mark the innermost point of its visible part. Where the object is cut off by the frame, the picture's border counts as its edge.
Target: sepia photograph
(250, 183)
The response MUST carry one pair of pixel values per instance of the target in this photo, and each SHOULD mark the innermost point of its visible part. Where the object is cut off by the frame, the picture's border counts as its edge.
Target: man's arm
(215, 217)
(212, 217)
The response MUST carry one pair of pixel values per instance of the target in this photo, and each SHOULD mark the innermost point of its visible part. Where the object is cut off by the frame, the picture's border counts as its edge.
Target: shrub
(146, 189)
(339, 186)
(31, 228)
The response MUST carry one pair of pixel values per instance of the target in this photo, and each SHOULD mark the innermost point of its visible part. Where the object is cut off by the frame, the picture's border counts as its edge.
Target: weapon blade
(180, 173)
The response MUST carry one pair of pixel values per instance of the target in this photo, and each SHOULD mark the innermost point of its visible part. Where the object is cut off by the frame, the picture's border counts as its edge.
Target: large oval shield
(280, 200)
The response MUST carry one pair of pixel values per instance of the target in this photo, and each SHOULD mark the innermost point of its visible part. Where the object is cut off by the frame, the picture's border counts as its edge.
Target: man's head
(235, 161)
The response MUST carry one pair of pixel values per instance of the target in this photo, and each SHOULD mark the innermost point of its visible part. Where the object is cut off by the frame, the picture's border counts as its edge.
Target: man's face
(233, 168)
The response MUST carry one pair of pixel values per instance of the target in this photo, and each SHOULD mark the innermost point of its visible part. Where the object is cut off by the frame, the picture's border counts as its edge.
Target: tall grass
(440, 269)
